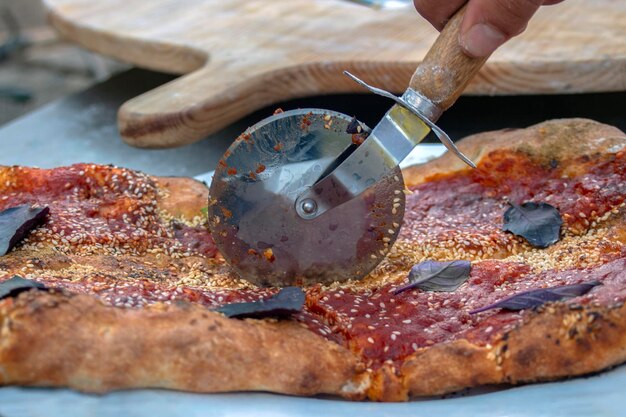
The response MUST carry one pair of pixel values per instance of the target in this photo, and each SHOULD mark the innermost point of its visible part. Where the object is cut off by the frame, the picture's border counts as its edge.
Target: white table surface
(601, 395)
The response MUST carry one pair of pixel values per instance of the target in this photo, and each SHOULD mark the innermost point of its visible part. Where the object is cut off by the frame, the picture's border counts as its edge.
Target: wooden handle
(446, 69)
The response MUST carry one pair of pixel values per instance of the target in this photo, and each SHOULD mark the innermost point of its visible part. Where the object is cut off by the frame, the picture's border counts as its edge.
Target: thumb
(489, 23)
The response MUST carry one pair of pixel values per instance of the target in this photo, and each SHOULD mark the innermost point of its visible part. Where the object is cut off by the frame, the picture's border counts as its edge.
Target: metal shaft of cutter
(390, 142)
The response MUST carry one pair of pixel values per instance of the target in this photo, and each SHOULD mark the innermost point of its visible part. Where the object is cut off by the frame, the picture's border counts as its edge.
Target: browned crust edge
(76, 341)
(554, 342)
(185, 347)
(182, 198)
(560, 140)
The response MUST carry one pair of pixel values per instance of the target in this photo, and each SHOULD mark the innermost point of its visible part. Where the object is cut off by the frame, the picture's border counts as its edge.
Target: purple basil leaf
(12, 287)
(535, 298)
(16, 223)
(287, 301)
(538, 223)
(437, 276)
(354, 127)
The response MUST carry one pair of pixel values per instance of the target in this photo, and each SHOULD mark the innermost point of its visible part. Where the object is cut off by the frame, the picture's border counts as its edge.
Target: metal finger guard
(423, 108)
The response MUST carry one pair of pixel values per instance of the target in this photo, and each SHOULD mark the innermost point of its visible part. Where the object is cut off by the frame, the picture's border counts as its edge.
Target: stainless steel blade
(252, 214)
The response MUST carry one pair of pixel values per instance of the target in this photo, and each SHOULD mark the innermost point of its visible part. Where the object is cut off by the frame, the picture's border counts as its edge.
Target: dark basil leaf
(287, 301)
(437, 276)
(535, 298)
(12, 287)
(16, 223)
(538, 223)
(354, 127)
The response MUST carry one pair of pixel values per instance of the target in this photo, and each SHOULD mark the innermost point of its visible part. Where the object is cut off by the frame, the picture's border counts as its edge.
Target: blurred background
(59, 102)
(36, 66)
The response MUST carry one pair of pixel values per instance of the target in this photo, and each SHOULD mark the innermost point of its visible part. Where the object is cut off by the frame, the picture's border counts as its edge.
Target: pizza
(134, 282)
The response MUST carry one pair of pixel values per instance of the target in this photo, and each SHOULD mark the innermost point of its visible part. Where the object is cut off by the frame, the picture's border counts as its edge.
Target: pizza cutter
(299, 198)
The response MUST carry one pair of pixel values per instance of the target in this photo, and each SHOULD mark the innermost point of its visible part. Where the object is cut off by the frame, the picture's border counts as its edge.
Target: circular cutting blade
(252, 215)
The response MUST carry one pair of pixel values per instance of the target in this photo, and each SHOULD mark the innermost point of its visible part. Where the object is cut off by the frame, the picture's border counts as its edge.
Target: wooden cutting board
(241, 55)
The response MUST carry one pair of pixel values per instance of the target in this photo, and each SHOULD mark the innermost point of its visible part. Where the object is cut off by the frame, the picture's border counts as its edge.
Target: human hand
(487, 23)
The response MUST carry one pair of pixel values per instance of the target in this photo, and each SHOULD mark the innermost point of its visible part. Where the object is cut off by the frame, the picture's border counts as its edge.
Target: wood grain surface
(240, 55)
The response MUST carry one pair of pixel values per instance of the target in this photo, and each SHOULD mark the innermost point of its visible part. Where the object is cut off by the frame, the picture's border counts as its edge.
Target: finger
(437, 12)
(489, 23)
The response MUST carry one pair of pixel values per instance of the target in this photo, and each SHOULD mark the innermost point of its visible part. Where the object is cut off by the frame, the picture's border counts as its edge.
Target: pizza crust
(182, 198)
(557, 341)
(561, 342)
(554, 140)
(60, 340)
(77, 341)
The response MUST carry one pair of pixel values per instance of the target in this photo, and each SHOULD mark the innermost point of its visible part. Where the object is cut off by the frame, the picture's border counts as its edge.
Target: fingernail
(481, 40)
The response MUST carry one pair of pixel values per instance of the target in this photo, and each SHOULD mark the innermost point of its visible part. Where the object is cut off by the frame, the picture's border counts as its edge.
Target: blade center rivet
(308, 206)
